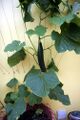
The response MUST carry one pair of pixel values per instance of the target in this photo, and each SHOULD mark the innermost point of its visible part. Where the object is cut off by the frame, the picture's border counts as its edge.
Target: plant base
(30, 113)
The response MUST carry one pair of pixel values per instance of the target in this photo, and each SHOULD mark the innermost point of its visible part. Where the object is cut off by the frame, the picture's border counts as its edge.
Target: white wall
(12, 28)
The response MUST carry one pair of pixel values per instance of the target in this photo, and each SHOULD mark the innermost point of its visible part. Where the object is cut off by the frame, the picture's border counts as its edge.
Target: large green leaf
(12, 83)
(58, 94)
(33, 99)
(43, 4)
(49, 6)
(69, 17)
(16, 109)
(62, 43)
(8, 98)
(74, 33)
(14, 96)
(30, 32)
(41, 82)
(14, 46)
(28, 17)
(55, 35)
(26, 9)
(9, 108)
(16, 58)
(76, 20)
(11, 97)
(68, 39)
(59, 20)
(23, 91)
(40, 30)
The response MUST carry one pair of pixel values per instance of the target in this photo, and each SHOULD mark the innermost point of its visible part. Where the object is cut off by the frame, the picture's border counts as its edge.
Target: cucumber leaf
(33, 99)
(12, 83)
(41, 82)
(68, 39)
(14, 46)
(58, 94)
(16, 58)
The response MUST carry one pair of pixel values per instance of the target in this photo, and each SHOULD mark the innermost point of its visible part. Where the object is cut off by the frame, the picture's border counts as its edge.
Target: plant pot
(74, 115)
(29, 114)
(3, 115)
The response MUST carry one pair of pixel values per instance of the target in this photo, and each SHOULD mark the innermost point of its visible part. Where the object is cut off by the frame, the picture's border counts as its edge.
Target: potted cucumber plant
(42, 80)
(39, 82)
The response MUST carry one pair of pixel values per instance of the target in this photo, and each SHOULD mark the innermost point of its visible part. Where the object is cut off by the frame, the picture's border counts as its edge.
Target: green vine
(2, 105)
(43, 81)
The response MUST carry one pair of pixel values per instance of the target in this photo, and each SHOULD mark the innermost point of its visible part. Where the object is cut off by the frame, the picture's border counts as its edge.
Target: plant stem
(28, 52)
(2, 104)
(40, 19)
(32, 56)
(45, 36)
(35, 60)
(32, 45)
(44, 17)
(49, 47)
(28, 35)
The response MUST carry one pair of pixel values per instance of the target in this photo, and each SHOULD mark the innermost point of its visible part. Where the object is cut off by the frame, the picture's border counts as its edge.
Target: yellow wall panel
(13, 28)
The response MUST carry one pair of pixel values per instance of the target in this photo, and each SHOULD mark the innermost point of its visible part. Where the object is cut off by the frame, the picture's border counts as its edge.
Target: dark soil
(30, 114)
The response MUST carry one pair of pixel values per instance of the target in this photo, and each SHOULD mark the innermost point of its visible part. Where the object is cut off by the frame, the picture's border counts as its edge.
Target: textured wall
(13, 28)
